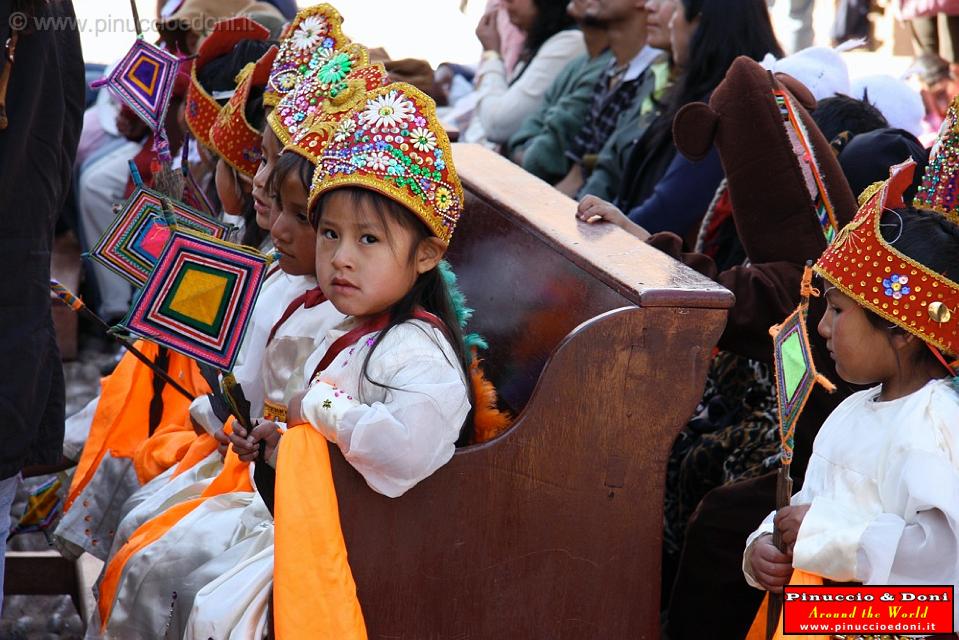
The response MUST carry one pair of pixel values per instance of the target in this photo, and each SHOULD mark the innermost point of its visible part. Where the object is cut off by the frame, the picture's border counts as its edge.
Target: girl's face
(522, 13)
(864, 354)
(658, 15)
(262, 200)
(681, 34)
(293, 235)
(231, 187)
(365, 264)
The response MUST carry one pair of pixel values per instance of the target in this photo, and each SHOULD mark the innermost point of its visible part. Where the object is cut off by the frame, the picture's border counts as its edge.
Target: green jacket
(604, 180)
(545, 135)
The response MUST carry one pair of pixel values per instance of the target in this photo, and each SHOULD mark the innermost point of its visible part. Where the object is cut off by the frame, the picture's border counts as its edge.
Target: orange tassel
(488, 420)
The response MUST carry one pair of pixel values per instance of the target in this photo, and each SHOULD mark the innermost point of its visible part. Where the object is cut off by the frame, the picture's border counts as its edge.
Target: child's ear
(429, 253)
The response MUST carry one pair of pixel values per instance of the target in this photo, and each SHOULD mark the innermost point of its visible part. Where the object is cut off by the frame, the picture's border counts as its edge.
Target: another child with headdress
(228, 517)
(878, 504)
(242, 152)
(133, 402)
(711, 558)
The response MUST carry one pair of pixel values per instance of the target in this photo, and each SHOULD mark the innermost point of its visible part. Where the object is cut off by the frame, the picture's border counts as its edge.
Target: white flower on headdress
(378, 161)
(423, 139)
(308, 33)
(345, 130)
(390, 110)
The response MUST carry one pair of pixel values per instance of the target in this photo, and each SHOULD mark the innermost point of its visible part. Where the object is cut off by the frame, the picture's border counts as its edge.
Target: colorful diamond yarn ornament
(143, 80)
(306, 46)
(135, 239)
(795, 370)
(393, 144)
(199, 298)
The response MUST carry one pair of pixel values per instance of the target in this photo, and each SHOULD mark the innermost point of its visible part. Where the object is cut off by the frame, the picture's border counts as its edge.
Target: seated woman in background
(504, 101)
(661, 190)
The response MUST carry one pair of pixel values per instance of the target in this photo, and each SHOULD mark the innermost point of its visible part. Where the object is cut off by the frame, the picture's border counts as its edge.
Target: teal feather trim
(463, 312)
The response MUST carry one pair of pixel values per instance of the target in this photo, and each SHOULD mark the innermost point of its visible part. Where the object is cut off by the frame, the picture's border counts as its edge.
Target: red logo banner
(868, 610)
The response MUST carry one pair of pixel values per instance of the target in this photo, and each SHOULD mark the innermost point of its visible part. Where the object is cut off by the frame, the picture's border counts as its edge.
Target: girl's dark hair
(287, 164)
(927, 238)
(727, 29)
(429, 292)
(551, 18)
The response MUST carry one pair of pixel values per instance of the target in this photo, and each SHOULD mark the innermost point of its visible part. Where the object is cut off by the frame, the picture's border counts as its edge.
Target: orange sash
(121, 420)
(162, 450)
(202, 446)
(758, 629)
(314, 595)
(235, 476)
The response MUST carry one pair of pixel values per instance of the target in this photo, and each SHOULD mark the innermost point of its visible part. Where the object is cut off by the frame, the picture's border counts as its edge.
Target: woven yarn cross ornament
(796, 373)
(143, 80)
(135, 239)
(199, 298)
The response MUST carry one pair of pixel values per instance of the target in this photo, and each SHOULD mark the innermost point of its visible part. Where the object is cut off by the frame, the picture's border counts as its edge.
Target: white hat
(895, 99)
(821, 69)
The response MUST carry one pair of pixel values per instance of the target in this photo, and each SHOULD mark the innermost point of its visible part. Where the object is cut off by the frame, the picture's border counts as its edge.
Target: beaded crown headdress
(201, 108)
(392, 143)
(939, 190)
(864, 266)
(232, 136)
(308, 116)
(306, 45)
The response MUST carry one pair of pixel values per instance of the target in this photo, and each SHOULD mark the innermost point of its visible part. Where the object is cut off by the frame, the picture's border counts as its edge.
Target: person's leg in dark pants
(710, 597)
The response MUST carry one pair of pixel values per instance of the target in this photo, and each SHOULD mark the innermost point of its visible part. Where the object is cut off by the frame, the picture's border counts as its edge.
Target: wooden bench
(599, 344)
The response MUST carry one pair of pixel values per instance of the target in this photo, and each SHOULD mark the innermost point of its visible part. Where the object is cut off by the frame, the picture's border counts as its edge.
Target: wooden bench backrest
(533, 273)
(553, 529)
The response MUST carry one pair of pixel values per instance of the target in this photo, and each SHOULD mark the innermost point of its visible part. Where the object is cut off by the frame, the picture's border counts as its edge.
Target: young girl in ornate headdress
(389, 384)
(878, 504)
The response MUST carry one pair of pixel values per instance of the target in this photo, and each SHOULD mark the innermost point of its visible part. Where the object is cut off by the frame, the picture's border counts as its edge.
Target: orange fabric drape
(202, 446)
(758, 629)
(235, 476)
(165, 448)
(121, 420)
(314, 594)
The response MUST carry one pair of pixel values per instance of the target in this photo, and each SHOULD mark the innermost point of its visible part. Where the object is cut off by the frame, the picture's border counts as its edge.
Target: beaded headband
(201, 109)
(236, 140)
(306, 45)
(939, 190)
(393, 144)
(799, 137)
(862, 265)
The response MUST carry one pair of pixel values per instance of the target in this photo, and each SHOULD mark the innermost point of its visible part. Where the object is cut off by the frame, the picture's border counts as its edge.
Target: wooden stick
(78, 305)
(136, 18)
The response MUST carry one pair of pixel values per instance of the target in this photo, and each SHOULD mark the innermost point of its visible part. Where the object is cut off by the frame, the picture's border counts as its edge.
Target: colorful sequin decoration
(895, 286)
(394, 144)
(307, 46)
